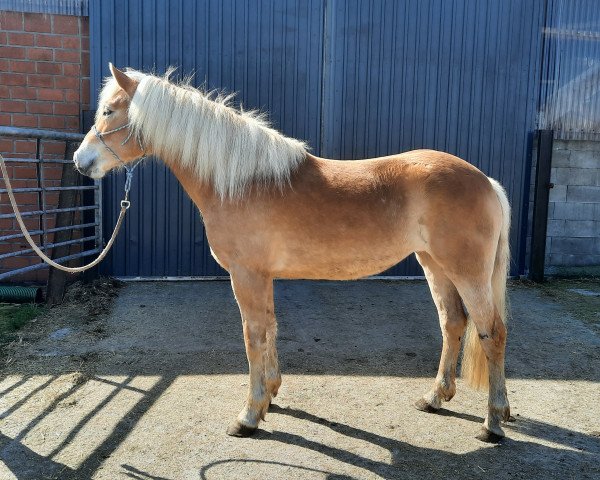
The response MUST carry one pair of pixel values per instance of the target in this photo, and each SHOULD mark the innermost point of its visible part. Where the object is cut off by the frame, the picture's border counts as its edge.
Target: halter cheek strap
(129, 169)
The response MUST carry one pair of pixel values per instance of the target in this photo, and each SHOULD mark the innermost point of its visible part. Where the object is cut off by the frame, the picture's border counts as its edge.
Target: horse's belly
(337, 263)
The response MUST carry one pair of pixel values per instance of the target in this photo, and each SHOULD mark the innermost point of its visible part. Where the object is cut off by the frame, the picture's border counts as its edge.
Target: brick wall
(573, 236)
(44, 83)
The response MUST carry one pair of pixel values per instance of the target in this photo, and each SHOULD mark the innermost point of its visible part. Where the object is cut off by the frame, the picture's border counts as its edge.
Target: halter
(125, 203)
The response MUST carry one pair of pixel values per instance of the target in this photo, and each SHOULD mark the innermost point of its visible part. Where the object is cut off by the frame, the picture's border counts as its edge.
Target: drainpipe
(15, 294)
(540, 204)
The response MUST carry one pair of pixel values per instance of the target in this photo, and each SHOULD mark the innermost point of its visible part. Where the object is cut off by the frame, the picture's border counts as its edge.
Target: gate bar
(50, 212)
(46, 247)
(42, 134)
(38, 266)
(50, 230)
(49, 189)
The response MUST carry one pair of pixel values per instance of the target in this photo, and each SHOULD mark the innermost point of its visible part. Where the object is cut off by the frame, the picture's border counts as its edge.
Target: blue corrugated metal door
(459, 76)
(268, 51)
(354, 78)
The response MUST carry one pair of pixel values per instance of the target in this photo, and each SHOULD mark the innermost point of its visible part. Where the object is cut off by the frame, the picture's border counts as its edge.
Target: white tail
(474, 363)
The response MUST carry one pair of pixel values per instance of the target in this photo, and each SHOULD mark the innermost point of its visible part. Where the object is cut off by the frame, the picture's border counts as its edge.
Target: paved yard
(143, 385)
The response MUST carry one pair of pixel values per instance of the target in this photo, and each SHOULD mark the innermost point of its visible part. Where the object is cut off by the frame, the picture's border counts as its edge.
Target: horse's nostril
(83, 162)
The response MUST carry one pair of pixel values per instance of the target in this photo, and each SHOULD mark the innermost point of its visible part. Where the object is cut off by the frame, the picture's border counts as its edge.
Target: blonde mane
(229, 148)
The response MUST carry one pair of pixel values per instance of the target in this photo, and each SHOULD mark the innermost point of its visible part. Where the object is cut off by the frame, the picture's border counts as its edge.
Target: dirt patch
(87, 301)
(580, 296)
(82, 311)
(143, 384)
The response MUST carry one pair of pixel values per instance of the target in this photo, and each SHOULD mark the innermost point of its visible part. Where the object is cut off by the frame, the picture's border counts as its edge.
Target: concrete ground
(143, 385)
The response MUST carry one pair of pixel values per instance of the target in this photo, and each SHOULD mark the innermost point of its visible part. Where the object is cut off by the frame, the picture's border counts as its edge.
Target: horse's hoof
(488, 436)
(236, 429)
(424, 406)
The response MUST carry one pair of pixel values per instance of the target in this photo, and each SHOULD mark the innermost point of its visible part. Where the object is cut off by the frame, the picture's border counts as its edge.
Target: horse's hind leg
(452, 322)
(478, 297)
(254, 294)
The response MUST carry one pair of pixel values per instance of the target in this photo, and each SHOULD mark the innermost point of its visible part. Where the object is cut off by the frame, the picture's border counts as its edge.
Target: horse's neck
(201, 192)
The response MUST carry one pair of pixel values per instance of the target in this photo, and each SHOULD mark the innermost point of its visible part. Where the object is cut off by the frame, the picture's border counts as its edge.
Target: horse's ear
(125, 82)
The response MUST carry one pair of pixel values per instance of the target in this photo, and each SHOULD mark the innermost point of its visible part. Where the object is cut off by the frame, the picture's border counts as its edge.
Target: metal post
(540, 204)
(42, 185)
(91, 197)
(40, 181)
(57, 279)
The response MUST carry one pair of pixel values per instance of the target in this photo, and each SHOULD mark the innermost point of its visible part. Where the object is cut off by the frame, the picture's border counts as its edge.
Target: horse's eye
(107, 112)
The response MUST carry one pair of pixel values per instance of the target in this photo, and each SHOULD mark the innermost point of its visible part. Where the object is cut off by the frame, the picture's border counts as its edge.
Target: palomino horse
(273, 210)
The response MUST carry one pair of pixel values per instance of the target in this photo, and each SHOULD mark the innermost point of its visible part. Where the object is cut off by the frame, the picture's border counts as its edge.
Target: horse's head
(111, 142)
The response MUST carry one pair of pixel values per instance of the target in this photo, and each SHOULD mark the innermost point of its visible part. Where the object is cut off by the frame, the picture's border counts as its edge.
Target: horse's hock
(144, 388)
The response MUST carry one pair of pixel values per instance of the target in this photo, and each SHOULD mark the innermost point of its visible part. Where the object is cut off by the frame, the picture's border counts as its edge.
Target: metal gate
(355, 79)
(62, 212)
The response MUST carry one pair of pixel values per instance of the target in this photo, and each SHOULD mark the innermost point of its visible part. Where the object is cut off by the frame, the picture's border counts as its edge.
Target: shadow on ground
(578, 460)
(360, 329)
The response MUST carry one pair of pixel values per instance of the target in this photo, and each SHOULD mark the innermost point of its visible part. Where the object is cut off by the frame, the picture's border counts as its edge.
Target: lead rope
(125, 204)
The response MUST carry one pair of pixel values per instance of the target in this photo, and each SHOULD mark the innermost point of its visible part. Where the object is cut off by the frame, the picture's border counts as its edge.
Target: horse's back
(347, 219)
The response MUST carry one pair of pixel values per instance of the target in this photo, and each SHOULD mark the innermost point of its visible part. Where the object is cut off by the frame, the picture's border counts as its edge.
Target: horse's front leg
(254, 294)
(273, 375)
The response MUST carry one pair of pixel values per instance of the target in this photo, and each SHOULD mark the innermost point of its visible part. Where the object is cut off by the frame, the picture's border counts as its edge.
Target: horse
(273, 210)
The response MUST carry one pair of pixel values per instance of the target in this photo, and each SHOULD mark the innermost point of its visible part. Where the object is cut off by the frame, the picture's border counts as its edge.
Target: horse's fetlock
(496, 414)
(449, 396)
(502, 413)
(273, 385)
(446, 388)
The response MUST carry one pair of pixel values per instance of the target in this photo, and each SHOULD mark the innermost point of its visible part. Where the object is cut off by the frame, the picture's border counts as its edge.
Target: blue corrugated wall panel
(355, 78)
(459, 76)
(267, 51)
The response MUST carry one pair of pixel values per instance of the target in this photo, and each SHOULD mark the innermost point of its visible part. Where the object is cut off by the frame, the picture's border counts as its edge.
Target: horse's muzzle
(84, 160)
(84, 170)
